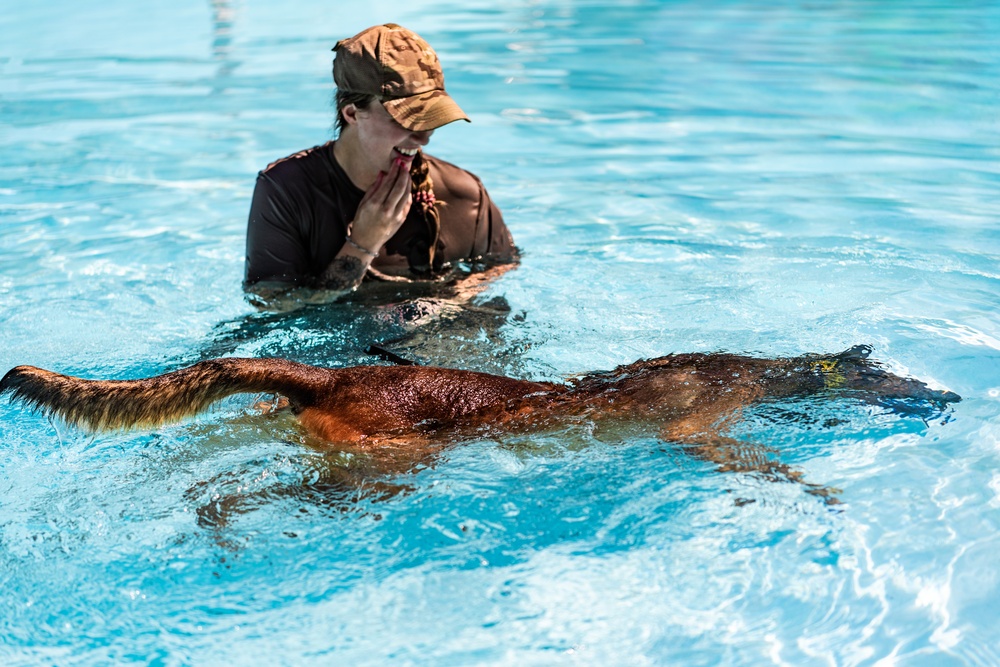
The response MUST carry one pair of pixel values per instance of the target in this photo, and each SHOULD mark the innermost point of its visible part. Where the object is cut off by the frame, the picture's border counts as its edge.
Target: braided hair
(421, 183)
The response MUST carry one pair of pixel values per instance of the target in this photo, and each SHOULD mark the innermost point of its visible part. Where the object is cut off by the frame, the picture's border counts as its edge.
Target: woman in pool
(371, 202)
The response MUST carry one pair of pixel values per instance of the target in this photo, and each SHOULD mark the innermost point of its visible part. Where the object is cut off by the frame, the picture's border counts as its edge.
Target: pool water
(761, 178)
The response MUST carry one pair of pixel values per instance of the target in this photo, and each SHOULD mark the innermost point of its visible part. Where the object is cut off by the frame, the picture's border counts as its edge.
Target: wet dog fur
(686, 398)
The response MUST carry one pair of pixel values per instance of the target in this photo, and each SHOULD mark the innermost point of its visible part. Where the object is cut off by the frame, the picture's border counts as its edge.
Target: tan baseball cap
(401, 69)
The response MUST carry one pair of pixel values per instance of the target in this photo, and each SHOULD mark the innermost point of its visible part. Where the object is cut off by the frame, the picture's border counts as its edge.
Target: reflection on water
(769, 178)
(444, 323)
(224, 15)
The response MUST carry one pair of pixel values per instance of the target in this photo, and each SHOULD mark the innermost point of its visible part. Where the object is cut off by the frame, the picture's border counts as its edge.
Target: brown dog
(401, 415)
(686, 397)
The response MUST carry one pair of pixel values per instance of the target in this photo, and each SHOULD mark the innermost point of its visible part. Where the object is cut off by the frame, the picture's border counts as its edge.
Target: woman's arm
(276, 261)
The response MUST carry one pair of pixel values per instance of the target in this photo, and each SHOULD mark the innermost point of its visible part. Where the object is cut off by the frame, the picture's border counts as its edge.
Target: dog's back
(343, 405)
(353, 404)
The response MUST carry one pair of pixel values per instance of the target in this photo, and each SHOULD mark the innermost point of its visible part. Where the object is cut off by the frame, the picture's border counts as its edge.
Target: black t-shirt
(303, 204)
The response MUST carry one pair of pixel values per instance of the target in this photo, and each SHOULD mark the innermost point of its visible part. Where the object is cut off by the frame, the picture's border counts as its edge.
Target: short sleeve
(501, 245)
(275, 250)
(493, 239)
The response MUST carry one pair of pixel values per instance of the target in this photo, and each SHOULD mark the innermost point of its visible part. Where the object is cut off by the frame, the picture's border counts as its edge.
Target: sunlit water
(769, 178)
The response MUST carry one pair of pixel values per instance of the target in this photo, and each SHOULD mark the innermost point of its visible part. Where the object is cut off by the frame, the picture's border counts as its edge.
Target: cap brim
(426, 111)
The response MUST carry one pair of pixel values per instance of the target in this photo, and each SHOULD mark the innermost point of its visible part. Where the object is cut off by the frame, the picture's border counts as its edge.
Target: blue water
(770, 178)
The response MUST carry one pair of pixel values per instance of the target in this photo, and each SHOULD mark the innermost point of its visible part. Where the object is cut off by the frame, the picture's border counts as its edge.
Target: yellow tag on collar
(832, 377)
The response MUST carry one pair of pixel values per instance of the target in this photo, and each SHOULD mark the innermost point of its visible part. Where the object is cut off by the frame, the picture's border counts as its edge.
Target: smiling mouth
(407, 152)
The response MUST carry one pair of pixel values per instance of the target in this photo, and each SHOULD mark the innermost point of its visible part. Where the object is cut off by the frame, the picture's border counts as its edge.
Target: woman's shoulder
(305, 162)
(453, 182)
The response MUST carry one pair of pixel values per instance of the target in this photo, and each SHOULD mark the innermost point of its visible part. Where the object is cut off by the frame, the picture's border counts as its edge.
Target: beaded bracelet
(368, 252)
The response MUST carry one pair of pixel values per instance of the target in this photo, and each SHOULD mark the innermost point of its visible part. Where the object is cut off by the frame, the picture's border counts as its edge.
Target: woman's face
(383, 140)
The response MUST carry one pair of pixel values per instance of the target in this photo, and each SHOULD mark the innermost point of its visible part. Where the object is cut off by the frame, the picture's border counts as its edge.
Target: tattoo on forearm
(344, 273)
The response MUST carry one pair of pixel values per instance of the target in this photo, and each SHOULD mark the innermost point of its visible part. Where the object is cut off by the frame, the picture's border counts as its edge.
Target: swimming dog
(684, 394)
(687, 398)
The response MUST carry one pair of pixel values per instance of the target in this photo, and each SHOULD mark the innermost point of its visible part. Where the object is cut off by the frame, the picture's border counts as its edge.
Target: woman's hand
(383, 209)
(380, 214)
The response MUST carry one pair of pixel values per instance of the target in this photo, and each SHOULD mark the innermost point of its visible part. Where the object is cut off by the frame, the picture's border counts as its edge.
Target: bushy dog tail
(106, 405)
